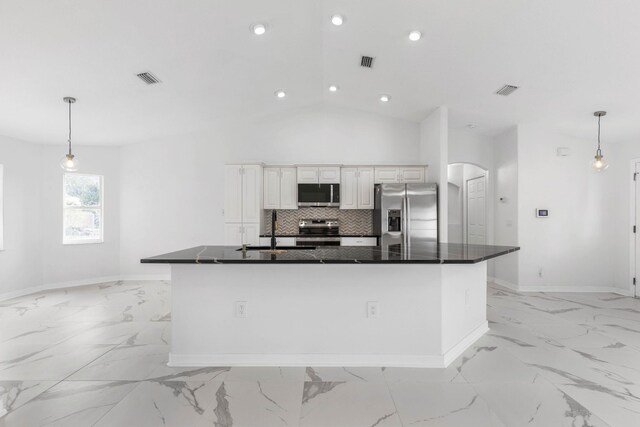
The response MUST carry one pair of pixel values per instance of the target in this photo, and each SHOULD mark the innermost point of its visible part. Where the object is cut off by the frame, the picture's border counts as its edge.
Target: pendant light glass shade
(69, 162)
(599, 164)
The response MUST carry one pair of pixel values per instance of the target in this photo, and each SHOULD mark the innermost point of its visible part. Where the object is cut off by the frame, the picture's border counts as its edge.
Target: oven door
(319, 195)
(317, 241)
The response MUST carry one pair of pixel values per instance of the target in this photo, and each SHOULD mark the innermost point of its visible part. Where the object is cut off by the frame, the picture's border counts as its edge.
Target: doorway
(635, 216)
(467, 204)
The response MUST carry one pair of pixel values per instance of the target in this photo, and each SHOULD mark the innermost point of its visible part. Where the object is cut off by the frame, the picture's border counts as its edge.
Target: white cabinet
(307, 175)
(356, 188)
(318, 175)
(242, 204)
(402, 175)
(329, 175)
(280, 188)
(280, 241)
(365, 188)
(358, 241)
(241, 234)
(288, 188)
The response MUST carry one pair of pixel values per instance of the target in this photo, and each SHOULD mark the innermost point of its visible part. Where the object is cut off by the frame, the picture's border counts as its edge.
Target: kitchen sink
(283, 248)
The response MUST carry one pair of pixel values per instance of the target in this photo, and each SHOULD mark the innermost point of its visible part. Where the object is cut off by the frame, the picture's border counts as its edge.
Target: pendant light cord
(70, 128)
(599, 152)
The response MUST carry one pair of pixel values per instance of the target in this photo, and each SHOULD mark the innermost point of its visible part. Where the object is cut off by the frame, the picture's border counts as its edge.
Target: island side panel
(301, 315)
(464, 307)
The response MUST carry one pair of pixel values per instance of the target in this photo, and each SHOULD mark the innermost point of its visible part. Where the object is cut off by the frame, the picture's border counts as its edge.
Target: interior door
(422, 206)
(637, 225)
(476, 211)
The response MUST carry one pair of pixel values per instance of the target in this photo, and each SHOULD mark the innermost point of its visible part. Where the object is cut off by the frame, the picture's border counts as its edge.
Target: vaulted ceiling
(569, 57)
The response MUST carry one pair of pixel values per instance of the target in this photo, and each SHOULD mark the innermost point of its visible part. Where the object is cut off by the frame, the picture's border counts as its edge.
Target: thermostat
(542, 213)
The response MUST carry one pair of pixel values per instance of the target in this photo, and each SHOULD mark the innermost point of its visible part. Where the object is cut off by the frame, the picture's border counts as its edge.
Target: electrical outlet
(241, 309)
(373, 309)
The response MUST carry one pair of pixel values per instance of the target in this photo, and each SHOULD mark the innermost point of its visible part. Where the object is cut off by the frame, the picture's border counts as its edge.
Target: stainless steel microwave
(319, 195)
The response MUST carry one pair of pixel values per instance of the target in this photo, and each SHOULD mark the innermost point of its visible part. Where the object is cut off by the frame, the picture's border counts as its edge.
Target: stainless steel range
(318, 232)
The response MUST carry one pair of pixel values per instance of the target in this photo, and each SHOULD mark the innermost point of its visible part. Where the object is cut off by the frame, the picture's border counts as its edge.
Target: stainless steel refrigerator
(406, 215)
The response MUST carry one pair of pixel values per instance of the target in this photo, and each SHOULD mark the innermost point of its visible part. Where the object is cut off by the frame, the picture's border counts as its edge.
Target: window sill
(82, 242)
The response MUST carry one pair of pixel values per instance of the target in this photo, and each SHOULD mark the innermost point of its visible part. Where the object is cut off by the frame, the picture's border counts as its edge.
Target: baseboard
(306, 359)
(74, 283)
(578, 289)
(462, 346)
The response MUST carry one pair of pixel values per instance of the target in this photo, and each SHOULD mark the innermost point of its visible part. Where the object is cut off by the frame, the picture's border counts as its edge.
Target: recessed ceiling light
(337, 20)
(334, 88)
(415, 35)
(280, 93)
(259, 29)
(385, 98)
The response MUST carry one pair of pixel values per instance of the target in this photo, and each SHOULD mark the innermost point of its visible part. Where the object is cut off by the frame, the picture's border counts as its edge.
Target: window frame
(65, 239)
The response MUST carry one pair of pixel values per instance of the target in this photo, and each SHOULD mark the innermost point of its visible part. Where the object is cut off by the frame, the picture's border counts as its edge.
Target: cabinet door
(251, 193)
(307, 175)
(271, 188)
(365, 188)
(386, 175)
(288, 189)
(409, 175)
(233, 234)
(358, 241)
(329, 175)
(233, 193)
(251, 234)
(349, 188)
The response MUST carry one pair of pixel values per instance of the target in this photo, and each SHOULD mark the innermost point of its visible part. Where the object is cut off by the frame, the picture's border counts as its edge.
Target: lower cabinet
(358, 241)
(280, 241)
(241, 234)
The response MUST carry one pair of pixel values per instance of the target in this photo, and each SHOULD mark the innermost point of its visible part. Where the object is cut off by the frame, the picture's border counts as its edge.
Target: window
(82, 209)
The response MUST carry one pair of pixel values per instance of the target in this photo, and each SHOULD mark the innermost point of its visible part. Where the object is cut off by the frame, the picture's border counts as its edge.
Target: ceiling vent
(506, 90)
(366, 61)
(148, 78)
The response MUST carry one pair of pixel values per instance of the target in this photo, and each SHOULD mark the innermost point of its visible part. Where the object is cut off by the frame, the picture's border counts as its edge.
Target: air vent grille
(366, 61)
(148, 78)
(506, 90)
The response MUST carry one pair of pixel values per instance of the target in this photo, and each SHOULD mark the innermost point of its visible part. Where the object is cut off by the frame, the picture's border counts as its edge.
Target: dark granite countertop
(418, 254)
(307, 235)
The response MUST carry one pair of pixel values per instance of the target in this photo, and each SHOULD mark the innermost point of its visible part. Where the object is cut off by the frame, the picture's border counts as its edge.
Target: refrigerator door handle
(408, 221)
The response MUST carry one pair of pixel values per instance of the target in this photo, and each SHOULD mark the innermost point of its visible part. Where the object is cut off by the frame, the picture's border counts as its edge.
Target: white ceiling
(570, 57)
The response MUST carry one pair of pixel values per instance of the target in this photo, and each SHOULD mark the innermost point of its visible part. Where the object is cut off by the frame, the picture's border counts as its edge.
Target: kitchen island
(420, 306)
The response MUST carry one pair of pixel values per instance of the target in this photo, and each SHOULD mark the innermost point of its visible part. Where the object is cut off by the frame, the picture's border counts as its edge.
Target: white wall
(71, 263)
(21, 259)
(434, 131)
(505, 186)
(172, 189)
(573, 247)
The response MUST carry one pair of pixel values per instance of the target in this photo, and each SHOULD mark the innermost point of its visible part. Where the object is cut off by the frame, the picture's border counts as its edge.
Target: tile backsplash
(352, 221)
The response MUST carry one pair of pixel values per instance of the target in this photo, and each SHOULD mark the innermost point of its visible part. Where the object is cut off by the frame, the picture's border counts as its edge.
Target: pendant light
(69, 162)
(599, 164)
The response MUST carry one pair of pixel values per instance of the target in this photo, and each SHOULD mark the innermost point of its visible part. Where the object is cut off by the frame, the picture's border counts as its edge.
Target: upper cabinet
(243, 193)
(280, 188)
(318, 175)
(402, 174)
(356, 188)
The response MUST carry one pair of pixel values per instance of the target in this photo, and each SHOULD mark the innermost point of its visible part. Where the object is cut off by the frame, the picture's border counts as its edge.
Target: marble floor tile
(617, 406)
(69, 404)
(355, 403)
(266, 374)
(32, 362)
(14, 394)
(492, 364)
(434, 375)
(534, 404)
(442, 404)
(125, 362)
(331, 374)
(212, 403)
